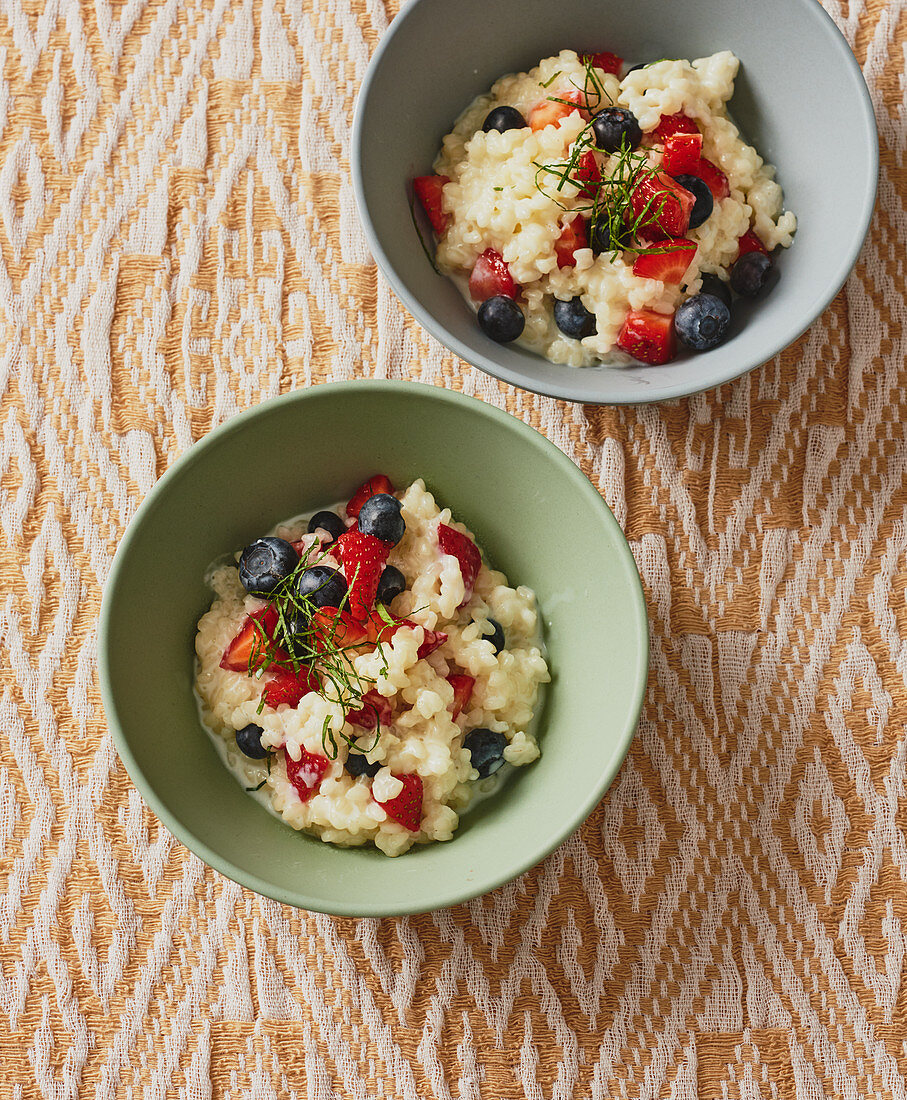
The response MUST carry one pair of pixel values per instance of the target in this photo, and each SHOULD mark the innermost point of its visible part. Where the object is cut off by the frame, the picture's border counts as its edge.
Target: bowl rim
(575, 386)
(298, 897)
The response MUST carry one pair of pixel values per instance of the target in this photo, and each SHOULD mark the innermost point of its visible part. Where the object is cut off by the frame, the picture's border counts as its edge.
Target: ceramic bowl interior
(537, 517)
(800, 98)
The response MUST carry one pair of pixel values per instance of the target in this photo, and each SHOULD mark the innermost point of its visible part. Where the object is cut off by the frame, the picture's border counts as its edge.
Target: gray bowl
(800, 99)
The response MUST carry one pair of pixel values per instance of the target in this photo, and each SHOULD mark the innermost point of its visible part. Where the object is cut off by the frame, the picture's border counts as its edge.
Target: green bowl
(536, 516)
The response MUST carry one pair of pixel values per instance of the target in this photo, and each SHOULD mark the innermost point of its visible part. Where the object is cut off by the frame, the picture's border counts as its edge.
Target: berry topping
(428, 191)
(587, 175)
(335, 629)
(573, 319)
(406, 807)
(572, 238)
(682, 153)
(607, 62)
(327, 521)
(377, 484)
(664, 203)
(496, 635)
(705, 202)
(648, 336)
(467, 554)
(749, 242)
(265, 563)
(669, 263)
(379, 631)
(462, 688)
(718, 288)
(322, 586)
(375, 709)
(713, 177)
(702, 322)
(674, 124)
(390, 586)
(252, 648)
(306, 773)
(615, 127)
(486, 749)
(550, 111)
(753, 275)
(501, 319)
(248, 741)
(491, 276)
(380, 516)
(289, 687)
(356, 765)
(364, 557)
(502, 119)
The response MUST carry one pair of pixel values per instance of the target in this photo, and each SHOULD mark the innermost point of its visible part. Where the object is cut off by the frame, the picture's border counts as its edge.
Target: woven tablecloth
(178, 242)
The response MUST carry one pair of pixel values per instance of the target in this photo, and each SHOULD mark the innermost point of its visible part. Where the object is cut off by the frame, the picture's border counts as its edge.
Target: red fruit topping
(380, 631)
(674, 124)
(430, 642)
(572, 238)
(406, 807)
(749, 242)
(465, 551)
(337, 629)
(428, 191)
(607, 62)
(664, 203)
(375, 708)
(669, 265)
(363, 558)
(713, 177)
(377, 484)
(560, 105)
(682, 153)
(490, 277)
(248, 650)
(299, 546)
(462, 688)
(287, 686)
(587, 173)
(649, 336)
(306, 773)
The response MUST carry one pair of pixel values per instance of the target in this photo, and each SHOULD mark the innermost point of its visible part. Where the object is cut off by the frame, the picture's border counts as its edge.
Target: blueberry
(600, 239)
(504, 118)
(573, 319)
(327, 521)
(356, 764)
(380, 516)
(702, 322)
(615, 126)
(486, 749)
(296, 637)
(265, 563)
(496, 636)
(718, 288)
(633, 68)
(753, 275)
(704, 203)
(501, 319)
(322, 586)
(391, 584)
(248, 741)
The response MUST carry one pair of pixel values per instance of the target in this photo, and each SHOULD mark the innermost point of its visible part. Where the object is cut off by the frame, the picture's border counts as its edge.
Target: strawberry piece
(465, 551)
(587, 174)
(337, 629)
(682, 154)
(649, 336)
(377, 484)
(375, 708)
(664, 203)
(573, 237)
(406, 807)
(490, 277)
(431, 641)
(306, 773)
(749, 242)
(248, 650)
(363, 558)
(607, 62)
(378, 631)
(674, 124)
(428, 191)
(669, 265)
(462, 688)
(561, 104)
(287, 686)
(299, 546)
(713, 177)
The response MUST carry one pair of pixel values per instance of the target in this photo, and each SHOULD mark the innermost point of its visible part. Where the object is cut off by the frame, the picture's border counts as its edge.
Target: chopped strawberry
(587, 174)
(306, 773)
(491, 277)
(300, 546)
(379, 632)
(711, 175)
(465, 551)
(406, 807)
(430, 642)
(749, 242)
(248, 650)
(375, 709)
(607, 62)
(363, 558)
(462, 688)
(428, 191)
(557, 106)
(573, 237)
(663, 203)
(377, 484)
(287, 686)
(682, 153)
(649, 336)
(670, 264)
(334, 629)
(674, 124)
